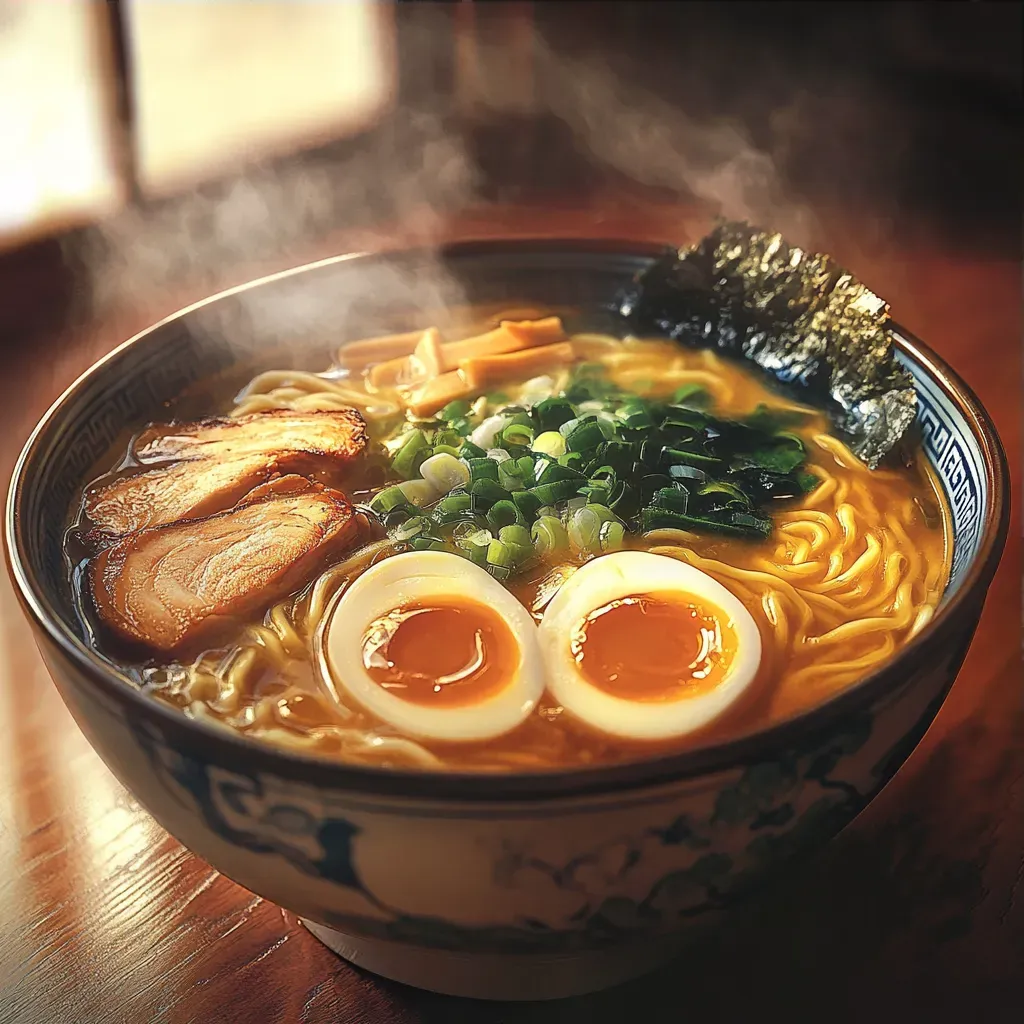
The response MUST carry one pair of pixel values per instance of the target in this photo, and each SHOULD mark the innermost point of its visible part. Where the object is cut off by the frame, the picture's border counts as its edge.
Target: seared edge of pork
(184, 585)
(204, 468)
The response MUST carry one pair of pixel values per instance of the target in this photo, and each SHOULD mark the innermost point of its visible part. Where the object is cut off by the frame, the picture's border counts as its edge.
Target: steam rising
(657, 144)
(270, 214)
(403, 184)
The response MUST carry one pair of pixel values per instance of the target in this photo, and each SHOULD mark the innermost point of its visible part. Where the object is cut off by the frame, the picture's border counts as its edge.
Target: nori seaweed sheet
(795, 314)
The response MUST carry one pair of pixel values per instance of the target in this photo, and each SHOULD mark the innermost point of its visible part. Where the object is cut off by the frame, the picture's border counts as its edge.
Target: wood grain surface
(916, 912)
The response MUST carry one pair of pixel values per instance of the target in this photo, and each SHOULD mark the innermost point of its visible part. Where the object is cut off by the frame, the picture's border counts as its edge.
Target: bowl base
(499, 976)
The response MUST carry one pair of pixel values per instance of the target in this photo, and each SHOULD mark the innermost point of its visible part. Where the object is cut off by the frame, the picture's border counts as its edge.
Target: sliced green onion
(447, 437)
(584, 529)
(516, 539)
(675, 499)
(393, 445)
(527, 503)
(455, 410)
(618, 455)
(651, 484)
(738, 524)
(483, 435)
(551, 472)
(598, 491)
(550, 443)
(410, 455)
(552, 413)
(634, 415)
(549, 536)
(472, 541)
(482, 469)
(452, 508)
(550, 494)
(509, 478)
(612, 536)
(445, 449)
(650, 451)
(488, 490)
(608, 425)
(687, 474)
(517, 434)
(524, 467)
(566, 428)
(574, 503)
(584, 436)
(624, 502)
(419, 492)
(427, 544)
(498, 554)
(504, 513)
(536, 389)
(603, 512)
(445, 472)
(461, 532)
(472, 451)
(398, 516)
(388, 499)
(412, 528)
(654, 518)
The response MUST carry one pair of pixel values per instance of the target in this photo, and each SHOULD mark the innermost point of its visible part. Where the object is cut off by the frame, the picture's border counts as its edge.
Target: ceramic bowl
(510, 886)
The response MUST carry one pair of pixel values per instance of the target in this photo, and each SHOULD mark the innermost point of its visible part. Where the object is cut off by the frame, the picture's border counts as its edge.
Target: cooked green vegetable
(549, 536)
(583, 470)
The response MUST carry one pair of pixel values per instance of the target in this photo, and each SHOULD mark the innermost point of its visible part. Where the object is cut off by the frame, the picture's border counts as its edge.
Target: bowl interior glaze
(298, 319)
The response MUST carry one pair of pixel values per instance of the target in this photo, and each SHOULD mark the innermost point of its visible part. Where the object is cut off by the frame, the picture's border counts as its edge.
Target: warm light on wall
(216, 84)
(56, 157)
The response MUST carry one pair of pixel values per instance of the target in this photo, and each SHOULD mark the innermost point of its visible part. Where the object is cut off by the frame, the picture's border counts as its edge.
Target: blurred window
(213, 84)
(57, 167)
(216, 83)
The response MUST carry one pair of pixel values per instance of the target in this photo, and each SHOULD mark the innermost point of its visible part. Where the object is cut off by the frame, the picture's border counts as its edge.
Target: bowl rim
(543, 785)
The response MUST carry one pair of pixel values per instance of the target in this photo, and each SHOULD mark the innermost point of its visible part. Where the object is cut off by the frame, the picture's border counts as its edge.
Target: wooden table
(916, 909)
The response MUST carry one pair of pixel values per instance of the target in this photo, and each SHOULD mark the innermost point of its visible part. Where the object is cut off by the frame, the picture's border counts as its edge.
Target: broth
(851, 570)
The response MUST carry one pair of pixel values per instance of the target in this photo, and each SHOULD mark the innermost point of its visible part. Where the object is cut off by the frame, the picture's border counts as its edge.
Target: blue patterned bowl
(521, 885)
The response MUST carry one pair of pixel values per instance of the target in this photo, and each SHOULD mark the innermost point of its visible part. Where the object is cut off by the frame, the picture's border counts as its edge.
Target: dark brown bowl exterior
(557, 864)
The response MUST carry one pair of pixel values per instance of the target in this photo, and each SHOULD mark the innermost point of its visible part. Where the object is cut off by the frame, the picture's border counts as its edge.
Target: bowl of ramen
(512, 613)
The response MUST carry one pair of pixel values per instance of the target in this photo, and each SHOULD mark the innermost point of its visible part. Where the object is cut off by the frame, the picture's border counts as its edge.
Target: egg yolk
(445, 653)
(654, 647)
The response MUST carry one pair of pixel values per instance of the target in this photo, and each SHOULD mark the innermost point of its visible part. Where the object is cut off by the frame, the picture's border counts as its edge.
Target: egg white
(624, 573)
(418, 576)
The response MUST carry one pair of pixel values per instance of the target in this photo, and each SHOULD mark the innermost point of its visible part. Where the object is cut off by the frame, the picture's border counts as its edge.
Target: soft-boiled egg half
(645, 647)
(435, 646)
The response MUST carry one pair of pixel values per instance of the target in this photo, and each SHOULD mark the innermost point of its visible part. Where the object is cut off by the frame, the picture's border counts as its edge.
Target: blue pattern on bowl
(957, 459)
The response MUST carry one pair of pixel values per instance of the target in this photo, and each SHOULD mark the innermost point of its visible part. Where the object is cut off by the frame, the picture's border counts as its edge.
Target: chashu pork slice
(205, 468)
(337, 434)
(181, 586)
(167, 494)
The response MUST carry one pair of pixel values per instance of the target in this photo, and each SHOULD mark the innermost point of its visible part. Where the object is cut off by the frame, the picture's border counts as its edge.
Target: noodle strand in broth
(850, 572)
